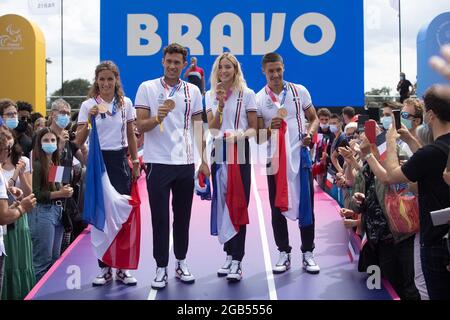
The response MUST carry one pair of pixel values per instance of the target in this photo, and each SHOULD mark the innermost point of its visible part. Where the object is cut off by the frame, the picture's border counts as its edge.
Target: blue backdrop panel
(321, 41)
(429, 40)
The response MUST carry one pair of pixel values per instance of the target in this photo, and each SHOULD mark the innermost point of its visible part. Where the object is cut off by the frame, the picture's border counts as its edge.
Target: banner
(322, 42)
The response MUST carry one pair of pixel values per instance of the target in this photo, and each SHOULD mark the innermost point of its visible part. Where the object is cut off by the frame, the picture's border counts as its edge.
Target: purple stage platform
(338, 278)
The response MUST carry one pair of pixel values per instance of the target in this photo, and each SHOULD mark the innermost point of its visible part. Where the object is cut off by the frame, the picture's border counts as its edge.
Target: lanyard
(274, 98)
(170, 91)
(114, 107)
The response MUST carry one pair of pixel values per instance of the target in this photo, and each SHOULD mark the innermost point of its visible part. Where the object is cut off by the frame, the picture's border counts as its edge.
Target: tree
(384, 91)
(76, 87)
(378, 95)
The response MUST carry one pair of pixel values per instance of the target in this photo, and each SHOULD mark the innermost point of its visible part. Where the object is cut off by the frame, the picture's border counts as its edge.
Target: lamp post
(47, 62)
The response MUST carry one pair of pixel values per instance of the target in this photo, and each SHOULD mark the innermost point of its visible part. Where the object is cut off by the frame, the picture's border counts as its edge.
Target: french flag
(115, 218)
(59, 174)
(229, 205)
(329, 182)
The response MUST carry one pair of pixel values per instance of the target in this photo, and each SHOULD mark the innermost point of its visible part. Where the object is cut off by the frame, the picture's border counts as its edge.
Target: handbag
(402, 210)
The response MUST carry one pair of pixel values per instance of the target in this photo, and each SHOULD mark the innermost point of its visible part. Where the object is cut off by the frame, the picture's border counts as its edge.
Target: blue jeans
(437, 278)
(46, 234)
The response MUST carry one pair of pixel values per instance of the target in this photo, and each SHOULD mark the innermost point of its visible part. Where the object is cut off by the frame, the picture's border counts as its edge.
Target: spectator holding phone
(433, 191)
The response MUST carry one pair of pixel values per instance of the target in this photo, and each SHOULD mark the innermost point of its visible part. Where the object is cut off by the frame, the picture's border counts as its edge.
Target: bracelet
(368, 156)
(13, 180)
(135, 161)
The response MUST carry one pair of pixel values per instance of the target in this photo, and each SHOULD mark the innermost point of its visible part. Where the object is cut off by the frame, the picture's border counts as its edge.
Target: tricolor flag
(59, 174)
(202, 186)
(229, 205)
(381, 145)
(329, 182)
(115, 218)
(281, 178)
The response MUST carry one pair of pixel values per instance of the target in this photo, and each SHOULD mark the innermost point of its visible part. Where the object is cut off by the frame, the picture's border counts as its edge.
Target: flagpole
(399, 33)
(62, 47)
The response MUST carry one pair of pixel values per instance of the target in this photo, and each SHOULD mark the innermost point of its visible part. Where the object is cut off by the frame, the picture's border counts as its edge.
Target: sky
(82, 34)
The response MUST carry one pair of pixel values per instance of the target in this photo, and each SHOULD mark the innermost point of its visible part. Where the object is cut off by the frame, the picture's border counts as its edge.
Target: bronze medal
(282, 113)
(169, 103)
(102, 108)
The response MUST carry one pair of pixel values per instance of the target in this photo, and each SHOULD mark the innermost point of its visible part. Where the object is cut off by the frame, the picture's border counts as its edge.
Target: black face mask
(22, 126)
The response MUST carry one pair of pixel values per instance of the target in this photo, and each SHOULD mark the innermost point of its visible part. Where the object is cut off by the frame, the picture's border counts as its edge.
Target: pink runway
(335, 253)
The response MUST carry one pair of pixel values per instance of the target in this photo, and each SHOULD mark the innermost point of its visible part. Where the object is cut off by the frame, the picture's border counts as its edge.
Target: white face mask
(324, 125)
(334, 128)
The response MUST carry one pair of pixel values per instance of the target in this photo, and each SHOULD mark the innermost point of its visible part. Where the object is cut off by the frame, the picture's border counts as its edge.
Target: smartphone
(398, 124)
(362, 118)
(370, 130)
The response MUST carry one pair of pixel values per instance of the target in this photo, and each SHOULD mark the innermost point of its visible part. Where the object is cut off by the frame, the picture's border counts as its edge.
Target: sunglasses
(406, 115)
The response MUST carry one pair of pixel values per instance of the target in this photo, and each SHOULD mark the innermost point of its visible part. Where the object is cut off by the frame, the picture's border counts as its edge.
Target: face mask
(49, 148)
(22, 126)
(334, 128)
(407, 123)
(386, 121)
(324, 126)
(12, 123)
(62, 120)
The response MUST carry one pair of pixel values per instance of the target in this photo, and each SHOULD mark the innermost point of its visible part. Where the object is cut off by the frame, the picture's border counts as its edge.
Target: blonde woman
(232, 117)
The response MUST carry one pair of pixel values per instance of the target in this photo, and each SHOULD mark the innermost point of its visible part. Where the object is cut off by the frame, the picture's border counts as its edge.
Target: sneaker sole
(279, 271)
(159, 288)
(185, 281)
(311, 272)
(127, 284)
(100, 285)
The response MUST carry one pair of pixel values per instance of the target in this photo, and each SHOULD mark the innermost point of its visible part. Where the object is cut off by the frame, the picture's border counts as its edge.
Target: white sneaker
(225, 269)
(235, 273)
(160, 280)
(125, 277)
(182, 272)
(309, 264)
(103, 278)
(283, 264)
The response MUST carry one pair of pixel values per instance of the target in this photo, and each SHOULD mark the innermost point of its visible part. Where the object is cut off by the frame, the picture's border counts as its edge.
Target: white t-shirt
(234, 117)
(112, 130)
(3, 196)
(7, 174)
(174, 144)
(297, 101)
